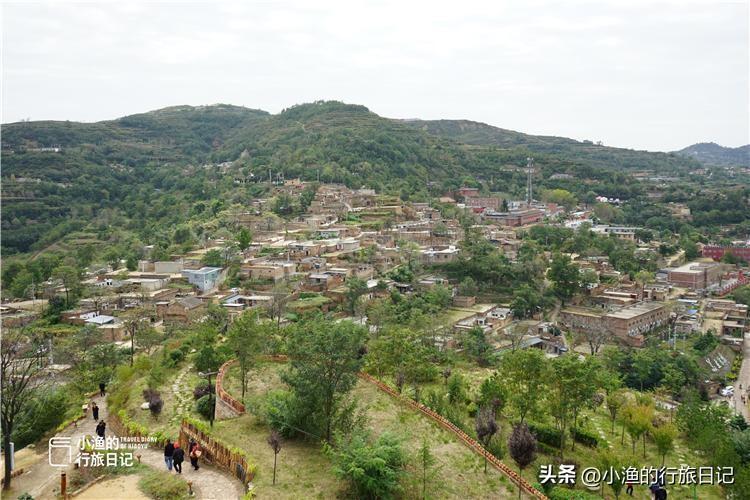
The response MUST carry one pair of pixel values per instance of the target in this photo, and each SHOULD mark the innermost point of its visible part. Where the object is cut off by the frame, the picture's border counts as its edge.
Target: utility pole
(210, 394)
(529, 173)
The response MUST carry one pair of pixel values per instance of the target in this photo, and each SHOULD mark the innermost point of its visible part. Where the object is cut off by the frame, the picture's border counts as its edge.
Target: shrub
(282, 413)
(546, 449)
(584, 437)
(156, 376)
(164, 486)
(155, 404)
(205, 406)
(373, 468)
(176, 355)
(546, 434)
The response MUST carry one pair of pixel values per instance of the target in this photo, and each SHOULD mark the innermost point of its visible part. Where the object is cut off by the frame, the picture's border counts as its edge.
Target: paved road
(41, 479)
(743, 380)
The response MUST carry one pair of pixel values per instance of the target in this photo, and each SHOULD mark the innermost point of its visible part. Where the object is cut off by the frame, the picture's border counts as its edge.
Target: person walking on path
(169, 454)
(95, 410)
(101, 389)
(195, 454)
(178, 457)
(101, 428)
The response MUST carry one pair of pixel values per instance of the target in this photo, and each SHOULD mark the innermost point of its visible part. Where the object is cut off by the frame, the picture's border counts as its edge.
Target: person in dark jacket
(101, 428)
(101, 388)
(178, 456)
(169, 454)
(95, 410)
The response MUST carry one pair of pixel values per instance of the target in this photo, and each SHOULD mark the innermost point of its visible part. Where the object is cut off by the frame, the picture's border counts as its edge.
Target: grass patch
(163, 485)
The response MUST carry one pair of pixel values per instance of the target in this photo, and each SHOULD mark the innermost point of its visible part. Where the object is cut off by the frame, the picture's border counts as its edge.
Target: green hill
(584, 152)
(710, 153)
(145, 173)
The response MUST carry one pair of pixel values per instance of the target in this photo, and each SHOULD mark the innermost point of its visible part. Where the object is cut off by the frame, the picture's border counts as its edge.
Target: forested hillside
(147, 172)
(711, 153)
(585, 153)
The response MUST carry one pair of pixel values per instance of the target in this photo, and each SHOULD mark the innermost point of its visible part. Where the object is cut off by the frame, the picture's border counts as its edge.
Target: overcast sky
(647, 75)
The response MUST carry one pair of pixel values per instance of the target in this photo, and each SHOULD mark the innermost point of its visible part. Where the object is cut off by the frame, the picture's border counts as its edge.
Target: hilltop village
(470, 301)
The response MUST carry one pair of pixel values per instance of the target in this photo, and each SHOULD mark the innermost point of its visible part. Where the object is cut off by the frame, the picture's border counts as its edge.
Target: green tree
(476, 345)
(664, 437)
(355, 288)
(615, 401)
(70, 279)
(565, 276)
(213, 258)
(637, 419)
(324, 359)
(244, 237)
(524, 375)
(244, 338)
(426, 461)
(398, 352)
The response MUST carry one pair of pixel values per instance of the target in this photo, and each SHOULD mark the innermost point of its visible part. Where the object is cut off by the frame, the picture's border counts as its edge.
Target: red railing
(465, 438)
(446, 424)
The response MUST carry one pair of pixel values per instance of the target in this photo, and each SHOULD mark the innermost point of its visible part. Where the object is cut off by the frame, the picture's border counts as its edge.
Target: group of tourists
(174, 455)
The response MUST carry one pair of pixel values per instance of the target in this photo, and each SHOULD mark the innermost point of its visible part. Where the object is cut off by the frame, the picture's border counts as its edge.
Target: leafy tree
(615, 401)
(477, 346)
(456, 389)
(399, 352)
(70, 279)
(244, 338)
(244, 237)
(324, 359)
(283, 205)
(610, 461)
(213, 258)
(664, 437)
(637, 419)
(208, 359)
(355, 288)
(524, 375)
(565, 276)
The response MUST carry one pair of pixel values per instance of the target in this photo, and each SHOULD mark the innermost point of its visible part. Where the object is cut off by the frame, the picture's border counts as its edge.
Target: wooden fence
(223, 397)
(217, 453)
(449, 426)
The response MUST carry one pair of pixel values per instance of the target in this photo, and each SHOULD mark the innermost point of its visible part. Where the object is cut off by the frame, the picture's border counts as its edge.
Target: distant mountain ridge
(710, 153)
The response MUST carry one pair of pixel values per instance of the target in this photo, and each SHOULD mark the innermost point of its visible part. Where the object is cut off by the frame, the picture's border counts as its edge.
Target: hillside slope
(710, 153)
(584, 153)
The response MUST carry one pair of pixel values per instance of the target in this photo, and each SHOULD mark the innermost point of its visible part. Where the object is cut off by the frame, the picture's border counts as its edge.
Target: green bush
(41, 412)
(546, 434)
(547, 449)
(163, 486)
(205, 406)
(373, 468)
(584, 437)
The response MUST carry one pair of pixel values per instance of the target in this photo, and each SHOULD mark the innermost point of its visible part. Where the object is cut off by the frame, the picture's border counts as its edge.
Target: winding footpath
(42, 481)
